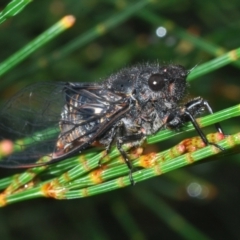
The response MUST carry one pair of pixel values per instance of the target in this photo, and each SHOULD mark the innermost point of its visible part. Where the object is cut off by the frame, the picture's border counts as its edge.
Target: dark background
(214, 210)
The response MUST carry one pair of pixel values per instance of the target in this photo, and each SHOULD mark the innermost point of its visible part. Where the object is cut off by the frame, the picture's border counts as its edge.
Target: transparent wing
(56, 120)
(31, 120)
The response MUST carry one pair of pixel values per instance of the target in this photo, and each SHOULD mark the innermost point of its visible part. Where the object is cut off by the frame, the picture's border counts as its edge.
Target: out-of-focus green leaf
(13, 8)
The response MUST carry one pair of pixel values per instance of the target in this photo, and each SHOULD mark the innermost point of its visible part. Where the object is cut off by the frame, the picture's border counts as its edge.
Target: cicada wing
(57, 120)
(30, 119)
(87, 116)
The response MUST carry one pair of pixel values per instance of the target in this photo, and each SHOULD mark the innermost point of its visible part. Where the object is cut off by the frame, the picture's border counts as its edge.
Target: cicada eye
(156, 82)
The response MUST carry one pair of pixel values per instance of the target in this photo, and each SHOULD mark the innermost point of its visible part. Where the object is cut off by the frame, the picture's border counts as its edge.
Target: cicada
(61, 119)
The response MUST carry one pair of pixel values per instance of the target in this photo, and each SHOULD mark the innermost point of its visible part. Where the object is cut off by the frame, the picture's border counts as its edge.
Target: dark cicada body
(62, 119)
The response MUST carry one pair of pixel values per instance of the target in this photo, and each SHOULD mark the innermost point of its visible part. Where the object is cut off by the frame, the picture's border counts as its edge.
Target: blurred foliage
(210, 210)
